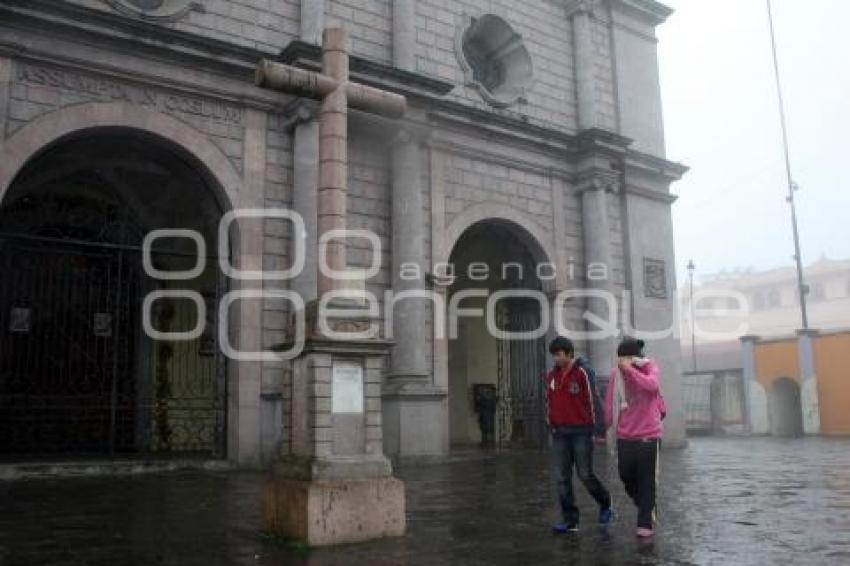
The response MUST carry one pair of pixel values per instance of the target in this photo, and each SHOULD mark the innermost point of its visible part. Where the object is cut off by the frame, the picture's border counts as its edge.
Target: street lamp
(691, 269)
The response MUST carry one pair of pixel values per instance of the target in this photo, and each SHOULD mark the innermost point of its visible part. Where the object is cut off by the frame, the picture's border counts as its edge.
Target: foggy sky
(720, 113)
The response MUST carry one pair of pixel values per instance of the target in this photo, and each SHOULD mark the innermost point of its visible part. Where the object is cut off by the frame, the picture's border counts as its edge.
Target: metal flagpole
(802, 288)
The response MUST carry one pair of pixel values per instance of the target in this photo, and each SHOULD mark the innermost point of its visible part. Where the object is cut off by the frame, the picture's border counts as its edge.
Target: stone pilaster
(580, 13)
(412, 402)
(404, 34)
(305, 197)
(408, 227)
(246, 376)
(755, 398)
(597, 256)
(5, 85)
(808, 382)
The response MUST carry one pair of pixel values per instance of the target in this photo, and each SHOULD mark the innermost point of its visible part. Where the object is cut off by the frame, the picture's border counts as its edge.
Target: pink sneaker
(643, 532)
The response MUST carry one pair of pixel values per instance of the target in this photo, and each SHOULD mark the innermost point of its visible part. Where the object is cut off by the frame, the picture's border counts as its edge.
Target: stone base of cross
(333, 483)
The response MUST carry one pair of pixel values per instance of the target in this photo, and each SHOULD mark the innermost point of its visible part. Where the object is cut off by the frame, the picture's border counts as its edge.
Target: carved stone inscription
(106, 89)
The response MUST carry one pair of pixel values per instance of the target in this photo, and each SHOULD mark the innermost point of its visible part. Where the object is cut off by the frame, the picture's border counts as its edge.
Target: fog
(721, 119)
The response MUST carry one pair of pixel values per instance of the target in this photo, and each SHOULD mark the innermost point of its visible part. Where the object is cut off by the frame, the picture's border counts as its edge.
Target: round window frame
(519, 93)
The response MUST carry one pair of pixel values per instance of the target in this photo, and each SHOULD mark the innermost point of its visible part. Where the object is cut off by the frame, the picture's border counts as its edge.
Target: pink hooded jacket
(641, 419)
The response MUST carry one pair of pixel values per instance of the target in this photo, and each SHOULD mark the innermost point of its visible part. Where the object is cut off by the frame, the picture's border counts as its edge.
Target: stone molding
(573, 7)
(165, 11)
(42, 131)
(649, 10)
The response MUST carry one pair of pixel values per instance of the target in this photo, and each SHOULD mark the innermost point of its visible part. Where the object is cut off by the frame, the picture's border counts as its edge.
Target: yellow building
(798, 384)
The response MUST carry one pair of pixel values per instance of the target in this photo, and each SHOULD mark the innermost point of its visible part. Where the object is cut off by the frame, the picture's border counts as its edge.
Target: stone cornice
(654, 12)
(599, 141)
(595, 144)
(657, 166)
(161, 75)
(650, 194)
(141, 37)
(146, 40)
(652, 167)
(132, 34)
(463, 116)
(308, 56)
(479, 154)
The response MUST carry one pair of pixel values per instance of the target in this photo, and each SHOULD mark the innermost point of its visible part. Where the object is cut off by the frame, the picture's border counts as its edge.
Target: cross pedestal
(333, 483)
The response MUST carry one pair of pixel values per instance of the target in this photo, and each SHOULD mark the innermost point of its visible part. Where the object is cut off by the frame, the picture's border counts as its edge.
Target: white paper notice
(347, 392)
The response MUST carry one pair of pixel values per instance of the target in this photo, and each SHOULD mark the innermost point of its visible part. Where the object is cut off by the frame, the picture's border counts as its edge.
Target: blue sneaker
(562, 528)
(606, 516)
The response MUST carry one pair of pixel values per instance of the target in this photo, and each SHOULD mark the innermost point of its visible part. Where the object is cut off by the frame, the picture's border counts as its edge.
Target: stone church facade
(533, 135)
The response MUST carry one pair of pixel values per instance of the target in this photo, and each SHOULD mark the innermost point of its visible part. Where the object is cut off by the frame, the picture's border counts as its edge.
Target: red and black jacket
(573, 402)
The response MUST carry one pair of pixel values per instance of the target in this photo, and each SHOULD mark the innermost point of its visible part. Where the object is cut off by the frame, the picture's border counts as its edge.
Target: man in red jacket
(575, 419)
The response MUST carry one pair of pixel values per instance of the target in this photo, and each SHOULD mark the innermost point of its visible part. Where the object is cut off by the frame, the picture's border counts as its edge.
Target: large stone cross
(336, 93)
(333, 484)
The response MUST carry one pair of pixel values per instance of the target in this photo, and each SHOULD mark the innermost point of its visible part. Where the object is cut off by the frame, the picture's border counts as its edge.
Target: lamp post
(691, 268)
(802, 288)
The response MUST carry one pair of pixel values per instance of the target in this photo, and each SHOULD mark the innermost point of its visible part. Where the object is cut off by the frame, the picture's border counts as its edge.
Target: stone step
(91, 468)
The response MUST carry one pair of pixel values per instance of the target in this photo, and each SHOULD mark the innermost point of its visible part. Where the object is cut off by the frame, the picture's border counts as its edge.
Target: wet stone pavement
(722, 501)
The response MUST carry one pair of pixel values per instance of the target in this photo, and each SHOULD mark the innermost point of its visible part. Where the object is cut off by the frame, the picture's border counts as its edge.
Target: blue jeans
(576, 450)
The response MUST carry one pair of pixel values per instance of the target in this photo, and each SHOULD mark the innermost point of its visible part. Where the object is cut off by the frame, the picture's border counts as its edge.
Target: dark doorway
(786, 409)
(78, 375)
(477, 357)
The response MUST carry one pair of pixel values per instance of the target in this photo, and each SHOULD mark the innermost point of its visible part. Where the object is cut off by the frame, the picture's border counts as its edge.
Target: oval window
(494, 59)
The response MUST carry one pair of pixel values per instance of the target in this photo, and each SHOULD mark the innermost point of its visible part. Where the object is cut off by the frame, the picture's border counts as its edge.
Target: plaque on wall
(347, 388)
(102, 324)
(654, 278)
(20, 320)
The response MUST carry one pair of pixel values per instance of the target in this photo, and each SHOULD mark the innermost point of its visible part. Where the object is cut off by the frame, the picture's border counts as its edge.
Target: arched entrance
(493, 255)
(78, 374)
(786, 409)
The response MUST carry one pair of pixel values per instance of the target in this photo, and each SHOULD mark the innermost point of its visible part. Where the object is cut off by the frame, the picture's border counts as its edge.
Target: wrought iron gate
(714, 401)
(78, 375)
(520, 384)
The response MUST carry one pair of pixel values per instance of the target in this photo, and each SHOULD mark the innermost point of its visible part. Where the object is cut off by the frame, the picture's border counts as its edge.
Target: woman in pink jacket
(635, 407)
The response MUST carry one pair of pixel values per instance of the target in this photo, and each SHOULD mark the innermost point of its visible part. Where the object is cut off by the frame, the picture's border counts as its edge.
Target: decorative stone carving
(654, 278)
(161, 10)
(106, 89)
(494, 60)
